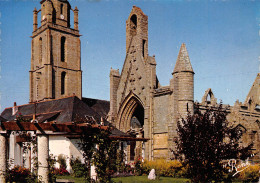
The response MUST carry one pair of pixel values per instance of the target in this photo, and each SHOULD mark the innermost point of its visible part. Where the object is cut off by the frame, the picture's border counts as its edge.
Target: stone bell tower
(137, 28)
(55, 52)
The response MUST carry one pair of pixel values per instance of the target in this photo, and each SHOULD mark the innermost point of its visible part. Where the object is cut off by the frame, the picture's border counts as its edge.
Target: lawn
(136, 179)
(131, 179)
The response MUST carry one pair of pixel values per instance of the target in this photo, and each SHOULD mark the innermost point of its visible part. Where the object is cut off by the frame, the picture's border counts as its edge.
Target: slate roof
(2, 119)
(183, 61)
(61, 110)
(101, 107)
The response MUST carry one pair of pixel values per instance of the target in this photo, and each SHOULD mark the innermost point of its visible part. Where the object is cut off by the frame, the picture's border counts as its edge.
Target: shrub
(62, 161)
(78, 168)
(138, 166)
(250, 174)
(120, 163)
(18, 174)
(51, 162)
(60, 171)
(165, 168)
(128, 168)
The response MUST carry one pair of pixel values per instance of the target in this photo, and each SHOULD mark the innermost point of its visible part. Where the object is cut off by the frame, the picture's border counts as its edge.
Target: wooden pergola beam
(66, 128)
(50, 126)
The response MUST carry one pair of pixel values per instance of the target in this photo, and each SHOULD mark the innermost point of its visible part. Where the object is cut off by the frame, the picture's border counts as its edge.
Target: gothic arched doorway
(131, 121)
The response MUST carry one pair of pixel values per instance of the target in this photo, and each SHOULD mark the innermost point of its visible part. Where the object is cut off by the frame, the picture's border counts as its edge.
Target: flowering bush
(128, 168)
(165, 168)
(60, 171)
(138, 166)
(18, 174)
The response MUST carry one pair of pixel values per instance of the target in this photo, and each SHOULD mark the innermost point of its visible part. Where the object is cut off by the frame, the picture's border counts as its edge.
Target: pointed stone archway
(132, 106)
(131, 120)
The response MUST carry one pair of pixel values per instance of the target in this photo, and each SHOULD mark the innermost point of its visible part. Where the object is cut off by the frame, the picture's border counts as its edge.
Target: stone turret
(182, 98)
(183, 78)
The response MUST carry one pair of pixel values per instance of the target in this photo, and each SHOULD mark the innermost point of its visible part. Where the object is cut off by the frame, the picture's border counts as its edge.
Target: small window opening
(63, 82)
(250, 101)
(144, 42)
(62, 51)
(187, 107)
(208, 99)
(61, 9)
(40, 50)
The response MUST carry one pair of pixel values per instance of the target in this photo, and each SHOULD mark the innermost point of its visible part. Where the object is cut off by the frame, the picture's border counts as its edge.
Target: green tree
(204, 141)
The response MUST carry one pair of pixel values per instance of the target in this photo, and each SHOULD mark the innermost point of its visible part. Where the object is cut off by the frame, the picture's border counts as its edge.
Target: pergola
(42, 131)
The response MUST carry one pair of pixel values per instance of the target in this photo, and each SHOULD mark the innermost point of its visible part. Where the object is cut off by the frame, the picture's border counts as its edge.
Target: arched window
(208, 98)
(63, 49)
(63, 82)
(133, 24)
(40, 50)
(134, 20)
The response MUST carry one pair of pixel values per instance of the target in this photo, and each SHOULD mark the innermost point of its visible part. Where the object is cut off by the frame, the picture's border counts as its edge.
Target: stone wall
(161, 114)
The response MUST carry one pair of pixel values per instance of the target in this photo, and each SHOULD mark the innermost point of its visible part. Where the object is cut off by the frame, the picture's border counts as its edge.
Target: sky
(221, 36)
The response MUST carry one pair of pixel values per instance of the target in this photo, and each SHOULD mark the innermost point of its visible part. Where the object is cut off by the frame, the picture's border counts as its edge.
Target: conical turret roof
(254, 93)
(183, 61)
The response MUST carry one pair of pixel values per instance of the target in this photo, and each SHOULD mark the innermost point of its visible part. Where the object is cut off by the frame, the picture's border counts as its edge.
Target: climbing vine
(87, 145)
(105, 156)
(100, 150)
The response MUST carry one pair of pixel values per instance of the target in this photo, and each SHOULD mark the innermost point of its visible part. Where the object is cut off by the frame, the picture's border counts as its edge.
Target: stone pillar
(147, 133)
(2, 157)
(93, 173)
(43, 154)
(139, 145)
(76, 18)
(35, 24)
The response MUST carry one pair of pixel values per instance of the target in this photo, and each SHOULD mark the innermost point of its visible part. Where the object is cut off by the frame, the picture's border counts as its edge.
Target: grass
(136, 179)
(77, 180)
(131, 179)
(141, 179)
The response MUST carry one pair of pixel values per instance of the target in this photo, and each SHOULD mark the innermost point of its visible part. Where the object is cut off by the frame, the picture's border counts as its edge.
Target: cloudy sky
(222, 38)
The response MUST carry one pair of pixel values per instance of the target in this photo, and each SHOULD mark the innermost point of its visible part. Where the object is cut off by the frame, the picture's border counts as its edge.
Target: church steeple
(55, 55)
(183, 61)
